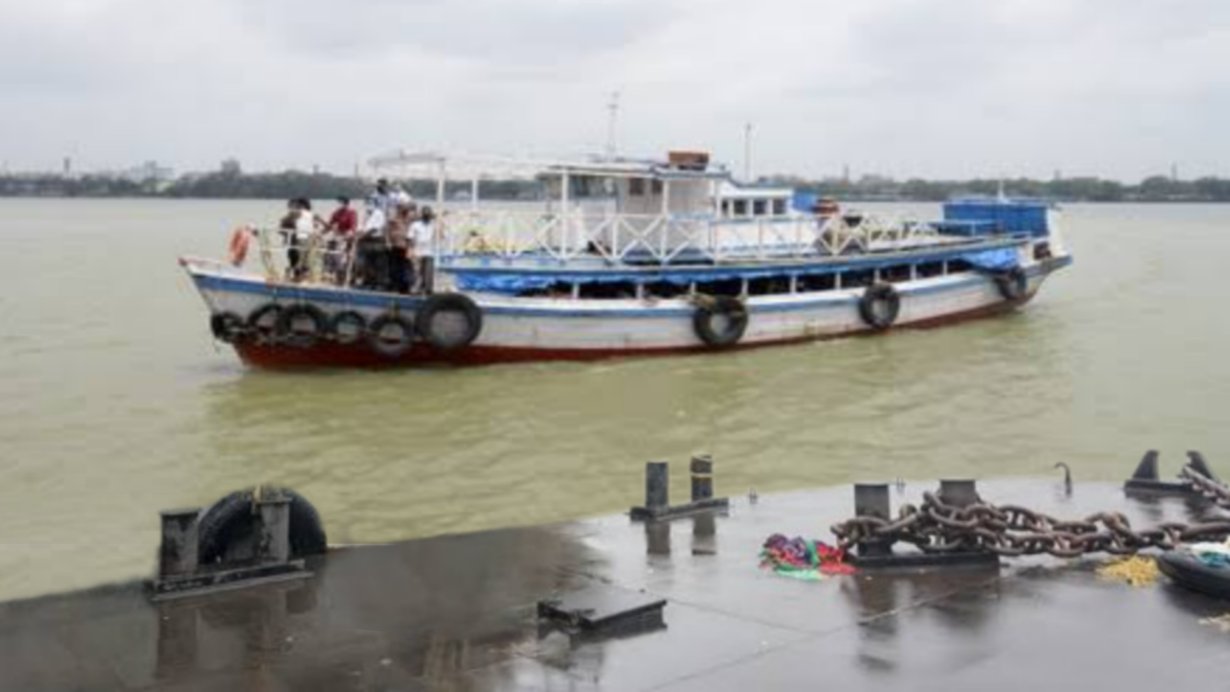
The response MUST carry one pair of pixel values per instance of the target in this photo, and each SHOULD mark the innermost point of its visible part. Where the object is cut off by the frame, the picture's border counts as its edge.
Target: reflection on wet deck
(458, 613)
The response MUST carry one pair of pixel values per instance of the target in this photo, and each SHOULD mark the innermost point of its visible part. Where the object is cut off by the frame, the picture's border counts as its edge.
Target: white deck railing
(611, 238)
(663, 238)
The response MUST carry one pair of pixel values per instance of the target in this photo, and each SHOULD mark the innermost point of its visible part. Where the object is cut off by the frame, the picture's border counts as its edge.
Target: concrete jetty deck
(458, 613)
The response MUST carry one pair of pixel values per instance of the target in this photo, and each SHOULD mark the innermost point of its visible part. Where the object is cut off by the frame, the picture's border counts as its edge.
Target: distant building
(148, 171)
(231, 167)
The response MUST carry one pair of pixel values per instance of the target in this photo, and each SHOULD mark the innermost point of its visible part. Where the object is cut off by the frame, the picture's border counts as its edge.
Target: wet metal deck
(458, 613)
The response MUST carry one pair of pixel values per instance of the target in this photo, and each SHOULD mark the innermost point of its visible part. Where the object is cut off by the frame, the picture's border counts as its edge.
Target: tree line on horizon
(233, 184)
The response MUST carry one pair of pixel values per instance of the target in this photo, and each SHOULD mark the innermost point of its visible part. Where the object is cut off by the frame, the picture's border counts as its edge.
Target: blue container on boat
(803, 200)
(985, 216)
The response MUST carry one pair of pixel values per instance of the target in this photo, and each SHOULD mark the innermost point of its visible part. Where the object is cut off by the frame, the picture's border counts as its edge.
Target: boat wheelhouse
(632, 257)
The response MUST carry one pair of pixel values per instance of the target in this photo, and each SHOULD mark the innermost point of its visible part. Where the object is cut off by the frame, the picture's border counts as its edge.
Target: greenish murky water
(116, 404)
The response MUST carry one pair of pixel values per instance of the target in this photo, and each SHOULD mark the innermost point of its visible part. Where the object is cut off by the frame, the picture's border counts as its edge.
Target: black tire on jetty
(227, 529)
(263, 322)
(880, 305)
(348, 327)
(449, 321)
(227, 327)
(1190, 572)
(301, 325)
(390, 335)
(720, 320)
(1012, 284)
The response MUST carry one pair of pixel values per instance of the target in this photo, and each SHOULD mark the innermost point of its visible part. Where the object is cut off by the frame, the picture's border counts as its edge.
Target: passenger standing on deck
(296, 228)
(397, 240)
(372, 270)
(341, 227)
(423, 251)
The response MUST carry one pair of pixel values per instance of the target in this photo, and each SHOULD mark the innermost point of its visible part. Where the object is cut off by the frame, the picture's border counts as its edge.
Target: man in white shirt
(423, 251)
(371, 261)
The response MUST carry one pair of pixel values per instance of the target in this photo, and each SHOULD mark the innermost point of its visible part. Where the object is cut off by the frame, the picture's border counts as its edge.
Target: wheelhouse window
(779, 207)
(636, 187)
(758, 207)
(740, 207)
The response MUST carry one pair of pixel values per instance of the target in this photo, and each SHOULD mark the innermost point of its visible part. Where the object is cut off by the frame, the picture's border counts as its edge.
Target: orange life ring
(240, 237)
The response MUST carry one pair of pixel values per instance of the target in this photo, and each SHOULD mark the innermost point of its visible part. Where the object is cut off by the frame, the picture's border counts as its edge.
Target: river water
(116, 403)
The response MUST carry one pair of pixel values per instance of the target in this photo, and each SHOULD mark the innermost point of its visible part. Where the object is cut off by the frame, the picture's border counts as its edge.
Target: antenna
(612, 108)
(747, 152)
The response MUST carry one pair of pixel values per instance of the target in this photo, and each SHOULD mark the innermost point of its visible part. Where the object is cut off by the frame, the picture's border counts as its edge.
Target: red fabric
(344, 220)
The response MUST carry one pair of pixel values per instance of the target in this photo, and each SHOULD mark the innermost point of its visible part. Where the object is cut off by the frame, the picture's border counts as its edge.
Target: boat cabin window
(758, 207)
(779, 207)
(636, 187)
(731, 287)
(957, 265)
(895, 274)
(857, 279)
(608, 291)
(664, 289)
(817, 282)
(772, 285)
(740, 207)
(927, 270)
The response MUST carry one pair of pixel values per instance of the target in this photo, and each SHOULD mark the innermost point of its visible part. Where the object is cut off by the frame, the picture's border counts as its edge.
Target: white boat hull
(526, 329)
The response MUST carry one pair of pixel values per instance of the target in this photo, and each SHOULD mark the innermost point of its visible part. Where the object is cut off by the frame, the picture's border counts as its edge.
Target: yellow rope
(1137, 570)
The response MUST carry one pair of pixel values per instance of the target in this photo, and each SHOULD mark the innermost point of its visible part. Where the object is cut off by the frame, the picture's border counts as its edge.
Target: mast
(612, 108)
(747, 152)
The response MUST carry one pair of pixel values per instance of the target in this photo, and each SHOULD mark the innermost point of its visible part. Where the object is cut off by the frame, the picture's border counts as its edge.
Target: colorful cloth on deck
(802, 558)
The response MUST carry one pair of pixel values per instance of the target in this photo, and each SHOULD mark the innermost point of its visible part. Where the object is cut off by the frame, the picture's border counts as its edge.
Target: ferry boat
(639, 257)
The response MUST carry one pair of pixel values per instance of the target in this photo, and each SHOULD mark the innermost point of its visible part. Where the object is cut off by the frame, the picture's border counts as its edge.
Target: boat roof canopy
(677, 166)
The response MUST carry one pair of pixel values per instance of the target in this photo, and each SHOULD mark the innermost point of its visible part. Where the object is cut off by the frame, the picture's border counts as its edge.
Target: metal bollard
(702, 477)
(274, 538)
(872, 500)
(178, 550)
(657, 485)
(657, 538)
(960, 492)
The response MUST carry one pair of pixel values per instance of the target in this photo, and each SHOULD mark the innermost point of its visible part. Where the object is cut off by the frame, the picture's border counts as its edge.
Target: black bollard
(960, 492)
(657, 485)
(178, 551)
(702, 478)
(872, 500)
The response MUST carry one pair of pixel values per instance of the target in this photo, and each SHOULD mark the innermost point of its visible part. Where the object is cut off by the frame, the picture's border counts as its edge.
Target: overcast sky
(932, 88)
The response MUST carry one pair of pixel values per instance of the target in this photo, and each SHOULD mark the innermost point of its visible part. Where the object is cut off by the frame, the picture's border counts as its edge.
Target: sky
(909, 88)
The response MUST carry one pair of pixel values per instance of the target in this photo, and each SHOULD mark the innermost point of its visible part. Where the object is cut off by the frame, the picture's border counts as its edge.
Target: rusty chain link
(1212, 490)
(1012, 530)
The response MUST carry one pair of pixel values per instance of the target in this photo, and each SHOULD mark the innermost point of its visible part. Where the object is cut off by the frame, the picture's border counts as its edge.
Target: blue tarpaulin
(512, 281)
(997, 260)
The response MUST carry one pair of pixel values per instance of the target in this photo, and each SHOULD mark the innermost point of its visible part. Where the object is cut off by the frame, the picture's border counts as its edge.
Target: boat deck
(458, 613)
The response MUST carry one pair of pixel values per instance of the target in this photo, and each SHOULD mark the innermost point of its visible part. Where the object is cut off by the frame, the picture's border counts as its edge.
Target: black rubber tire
(227, 327)
(457, 303)
(292, 335)
(230, 522)
(1186, 570)
(880, 305)
(729, 308)
(1012, 284)
(348, 327)
(263, 322)
(385, 347)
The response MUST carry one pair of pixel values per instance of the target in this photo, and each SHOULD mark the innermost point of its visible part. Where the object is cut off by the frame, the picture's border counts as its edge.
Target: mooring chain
(1011, 530)
(1213, 491)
